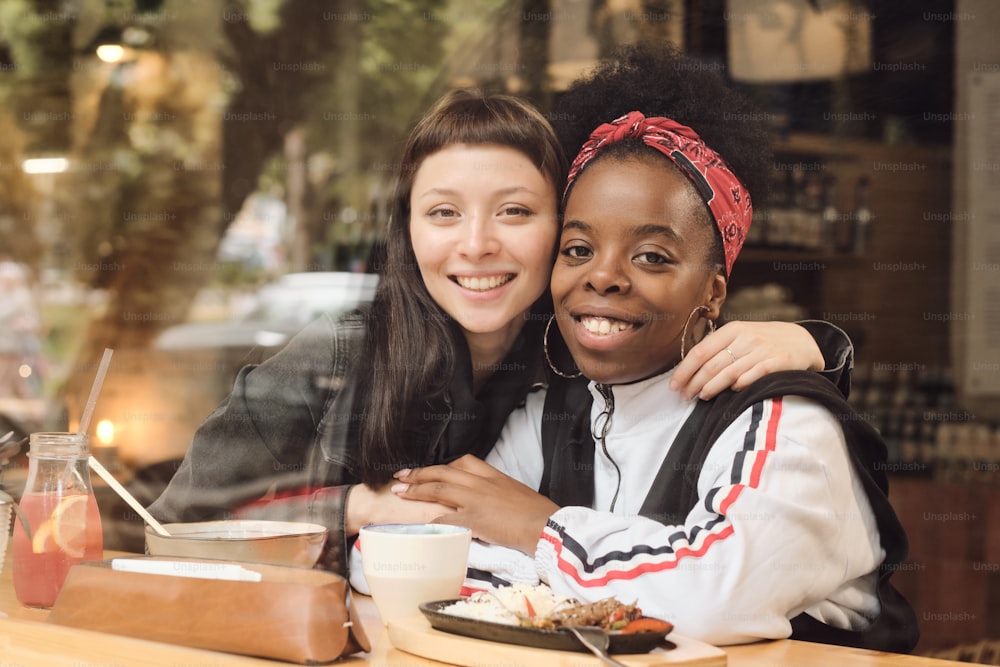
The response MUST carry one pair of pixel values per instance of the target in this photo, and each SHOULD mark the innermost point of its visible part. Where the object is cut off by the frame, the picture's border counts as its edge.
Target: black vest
(568, 480)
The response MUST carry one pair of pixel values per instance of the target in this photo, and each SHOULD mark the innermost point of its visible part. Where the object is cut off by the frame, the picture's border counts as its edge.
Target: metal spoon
(595, 639)
(8, 449)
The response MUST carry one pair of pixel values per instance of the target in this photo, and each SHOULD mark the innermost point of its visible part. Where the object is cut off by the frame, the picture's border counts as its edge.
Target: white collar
(637, 401)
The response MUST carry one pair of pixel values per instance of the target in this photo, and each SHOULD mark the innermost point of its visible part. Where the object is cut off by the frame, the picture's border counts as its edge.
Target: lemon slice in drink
(42, 540)
(65, 530)
(69, 525)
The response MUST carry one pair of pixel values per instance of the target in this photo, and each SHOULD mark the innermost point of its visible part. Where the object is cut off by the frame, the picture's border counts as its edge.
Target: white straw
(96, 466)
(88, 411)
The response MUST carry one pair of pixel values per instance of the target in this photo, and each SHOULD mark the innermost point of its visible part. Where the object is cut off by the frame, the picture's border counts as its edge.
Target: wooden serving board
(418, 637)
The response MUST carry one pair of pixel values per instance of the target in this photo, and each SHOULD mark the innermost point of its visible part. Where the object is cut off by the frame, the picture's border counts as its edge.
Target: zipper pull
(609, 397)
(603, 422)
(602, 426)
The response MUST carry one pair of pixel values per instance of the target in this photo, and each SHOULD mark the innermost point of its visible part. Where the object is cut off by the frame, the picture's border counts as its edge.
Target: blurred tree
(35, 116)
(533, 50)
(391, 69)
(169, 143)
(166, 144)
(18, 197)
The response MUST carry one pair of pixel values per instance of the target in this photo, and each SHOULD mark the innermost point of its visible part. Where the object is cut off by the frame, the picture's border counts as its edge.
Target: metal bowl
(272, 542)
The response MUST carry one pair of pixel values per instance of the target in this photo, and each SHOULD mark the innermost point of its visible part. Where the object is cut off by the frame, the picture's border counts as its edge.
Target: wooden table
(26, 639)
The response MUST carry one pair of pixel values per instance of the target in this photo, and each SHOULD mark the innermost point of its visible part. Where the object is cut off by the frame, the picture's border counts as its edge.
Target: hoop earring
(545, 348)
(684, 334)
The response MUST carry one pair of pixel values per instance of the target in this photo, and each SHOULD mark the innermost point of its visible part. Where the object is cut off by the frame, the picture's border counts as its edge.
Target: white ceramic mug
(408, 564)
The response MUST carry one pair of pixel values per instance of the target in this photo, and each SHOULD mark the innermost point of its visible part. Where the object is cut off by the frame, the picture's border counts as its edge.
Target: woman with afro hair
(757, 514)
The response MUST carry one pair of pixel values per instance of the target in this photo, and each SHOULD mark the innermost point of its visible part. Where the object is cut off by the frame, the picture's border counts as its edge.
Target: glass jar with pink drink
(58, 505)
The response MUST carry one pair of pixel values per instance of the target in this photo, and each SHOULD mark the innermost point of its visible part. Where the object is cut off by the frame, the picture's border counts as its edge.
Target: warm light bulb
(110, 53)
(45, 165)
(105, 431)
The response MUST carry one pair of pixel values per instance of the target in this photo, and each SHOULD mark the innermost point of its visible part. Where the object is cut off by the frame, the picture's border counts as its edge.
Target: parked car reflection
(193, 366)
(283, 308)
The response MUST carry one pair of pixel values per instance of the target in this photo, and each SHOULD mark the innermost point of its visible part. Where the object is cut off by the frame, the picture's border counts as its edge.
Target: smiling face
(633, 262)
(483, 227)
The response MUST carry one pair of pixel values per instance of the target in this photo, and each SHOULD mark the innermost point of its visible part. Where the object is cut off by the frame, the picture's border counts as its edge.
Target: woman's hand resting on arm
(757, 348)
(497, 508)
(367, 506)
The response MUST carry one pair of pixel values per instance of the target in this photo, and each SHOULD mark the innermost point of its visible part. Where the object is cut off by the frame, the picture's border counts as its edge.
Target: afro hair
(661, 81)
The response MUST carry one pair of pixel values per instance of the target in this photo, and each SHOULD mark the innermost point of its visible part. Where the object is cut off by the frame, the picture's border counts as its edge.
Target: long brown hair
(410, 348)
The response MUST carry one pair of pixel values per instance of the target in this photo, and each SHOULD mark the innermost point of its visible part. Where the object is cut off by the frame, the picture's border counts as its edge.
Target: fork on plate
(595, 639)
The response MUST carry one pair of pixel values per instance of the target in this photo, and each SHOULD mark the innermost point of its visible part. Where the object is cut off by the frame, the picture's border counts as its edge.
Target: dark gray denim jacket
(277, 446)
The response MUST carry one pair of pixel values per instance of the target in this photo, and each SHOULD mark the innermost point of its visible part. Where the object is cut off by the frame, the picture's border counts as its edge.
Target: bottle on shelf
(757, 234)
(780, 209)
(845, 232)
(812, 211)
(862, 217)
(797, 221)
(982, 454)
(877, 397)
(926, 448)
(963, 434)
(945, 397)
(992, 469)
(944, 453)
(830, 215)
(891, 428)
(909, 447)
(902, 395)
(859, 386)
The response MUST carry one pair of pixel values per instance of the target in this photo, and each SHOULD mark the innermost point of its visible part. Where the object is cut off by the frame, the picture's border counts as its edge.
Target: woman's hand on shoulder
(498, 508)
(740, 353)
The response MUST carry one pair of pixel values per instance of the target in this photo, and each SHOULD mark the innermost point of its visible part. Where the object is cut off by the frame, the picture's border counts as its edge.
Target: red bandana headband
(719, 188)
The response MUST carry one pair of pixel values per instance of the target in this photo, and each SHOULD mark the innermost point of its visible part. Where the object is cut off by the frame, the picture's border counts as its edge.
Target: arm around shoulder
(838, 352)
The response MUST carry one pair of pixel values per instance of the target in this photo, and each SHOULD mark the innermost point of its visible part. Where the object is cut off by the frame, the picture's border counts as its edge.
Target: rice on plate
(509, 604)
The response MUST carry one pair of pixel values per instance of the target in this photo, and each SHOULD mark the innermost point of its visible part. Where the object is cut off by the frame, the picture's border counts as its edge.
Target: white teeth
(604, 326)
(483, 283)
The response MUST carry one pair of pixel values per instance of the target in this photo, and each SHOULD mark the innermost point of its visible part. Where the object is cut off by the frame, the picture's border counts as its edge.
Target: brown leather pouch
(292, 614)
